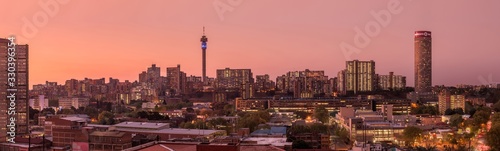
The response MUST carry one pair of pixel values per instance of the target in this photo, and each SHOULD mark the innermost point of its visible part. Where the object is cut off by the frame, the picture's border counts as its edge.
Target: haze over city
(120, 40)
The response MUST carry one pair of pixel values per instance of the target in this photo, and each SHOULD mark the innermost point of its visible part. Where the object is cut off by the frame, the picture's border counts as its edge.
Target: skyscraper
(13, 89)
(204, 41)
(423, 61)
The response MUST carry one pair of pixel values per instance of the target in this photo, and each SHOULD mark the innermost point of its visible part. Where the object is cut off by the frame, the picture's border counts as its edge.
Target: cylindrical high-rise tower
(423, 61)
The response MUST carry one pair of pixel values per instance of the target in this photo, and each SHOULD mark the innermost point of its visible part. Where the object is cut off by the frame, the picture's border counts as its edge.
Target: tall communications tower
(204, 41)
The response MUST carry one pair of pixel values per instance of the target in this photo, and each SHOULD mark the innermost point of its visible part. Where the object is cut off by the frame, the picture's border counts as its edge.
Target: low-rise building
(27, 144)
(164, 131)
(197, 146)
(400, 106)
(66, 131)
(67, 103)
(371, 125)
(109, 141)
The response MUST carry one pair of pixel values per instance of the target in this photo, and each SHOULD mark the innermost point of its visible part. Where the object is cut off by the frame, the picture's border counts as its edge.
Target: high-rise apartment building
(360, 76)
(233, 78)
(303, 84)
(263, 83)
(448, 101)
(391, 81)
(341, 82)
(423, 62)
(176, 79)
(153, 75)
(13, 89)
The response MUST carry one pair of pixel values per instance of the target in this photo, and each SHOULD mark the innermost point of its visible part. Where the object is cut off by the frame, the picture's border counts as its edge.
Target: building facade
(176, 80)
(423, 61)
(233, 78)
(14, 74)
(360, 76)
(391, 81)
(109, 141)
(304, 84)
(448, 101)
(263, 83)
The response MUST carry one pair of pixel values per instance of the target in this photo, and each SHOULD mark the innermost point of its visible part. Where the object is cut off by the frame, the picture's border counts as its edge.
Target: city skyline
(121, 46)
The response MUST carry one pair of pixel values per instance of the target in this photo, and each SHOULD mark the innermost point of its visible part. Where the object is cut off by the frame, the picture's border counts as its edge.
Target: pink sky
(112, 38)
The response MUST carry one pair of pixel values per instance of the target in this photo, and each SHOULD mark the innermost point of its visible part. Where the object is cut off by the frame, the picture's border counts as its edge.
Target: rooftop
(99, 125)
(142, 125)
(108, 133)
(75, 119)
(164, 146)
(259, 147)
(269, 140)
(171, 131)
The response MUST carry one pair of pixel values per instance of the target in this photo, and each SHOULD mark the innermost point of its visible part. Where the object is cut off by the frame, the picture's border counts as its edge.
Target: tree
(481, 117)
(156, 116)
(495, 119)
(342, 133)
(468, 108)
(456, 120)
(120, 109)
(46, 111)
(493, 137)
(190, 110)
(32, 113)
(68, 111)
(453, 142)
(133, 114)
(458, 111)
(80, 110)
(106, 118)
(251, 122)
(411, 133)
(472, 111)
(218, 122)
(449, 112)
(228, 109)
(54, 103)
(496, 106)
(319, 128)
(137, 104)
(298, 129)
(253, 119)
(321, 114)
(426, 148)
(198, 124)
(432, 110)
(300, 144)
(302, 114)
(92, 112)
(189, 117)
(424, 109)
(208, 112)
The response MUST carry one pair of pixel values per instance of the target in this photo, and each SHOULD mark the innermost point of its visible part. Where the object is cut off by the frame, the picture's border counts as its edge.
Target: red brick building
(109, 141)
